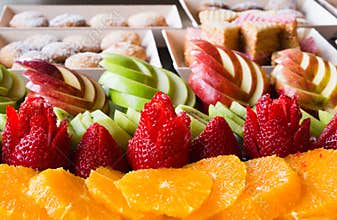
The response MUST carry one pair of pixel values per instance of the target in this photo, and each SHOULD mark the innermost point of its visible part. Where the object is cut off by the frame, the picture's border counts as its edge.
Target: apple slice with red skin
(53, 83)
(310, 64)
(203, 57)
(206, 92)
(72, 78)
(45, 91)
(42, 67)
(294, 54)
(218, 82)
(100, 100)
(208, 48)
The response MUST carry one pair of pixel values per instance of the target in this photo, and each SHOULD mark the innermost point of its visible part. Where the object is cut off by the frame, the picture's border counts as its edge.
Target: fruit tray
(148, 42)
(316, 15)
(175, 44)
(170, 13)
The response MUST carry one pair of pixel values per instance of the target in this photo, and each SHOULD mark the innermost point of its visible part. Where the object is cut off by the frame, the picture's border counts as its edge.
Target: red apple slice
(42, 67)
(53, 83)
(294, 54)
(72, 78)
(208, 48)
(218, 82)
(322, 74)
(89, 91)
(100, 99)
(262, 84)
(309, 64)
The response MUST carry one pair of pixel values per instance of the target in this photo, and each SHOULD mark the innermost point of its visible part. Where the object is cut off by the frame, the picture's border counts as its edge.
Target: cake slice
(191, 34)
(289, 35)
(224, 34)
(260, 40)
(217, 16)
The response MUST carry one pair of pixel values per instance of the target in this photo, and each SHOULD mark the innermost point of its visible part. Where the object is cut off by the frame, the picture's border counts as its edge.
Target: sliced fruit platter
(140, 143)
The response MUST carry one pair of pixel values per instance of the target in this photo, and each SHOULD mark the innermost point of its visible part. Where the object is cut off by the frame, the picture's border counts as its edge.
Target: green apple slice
(316, 126)
(127, 72)
(77, 125)
(18, 90)
(122, 121)
(325, 117)
(6, 83)
(87, 119)
(2, 122)
(238, 109)
(121, 60)
(191, 99)
(61, 114)
(237, 129)
(178, 91)
(221, 110)
(2, 70)
(125, 85)
(119, 135)
(133, 115)
(127, 100)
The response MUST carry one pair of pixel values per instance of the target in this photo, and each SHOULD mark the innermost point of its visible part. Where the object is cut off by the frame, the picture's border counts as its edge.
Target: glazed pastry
(260, 39)
(38, 41)
(68, 20)
(12, 51)
(29, 19)
(83, 60)
(120, 36)
(107, 20)
(244, 6)
(217, 16)
(127, 49)
(224, 34)
(147, 19)
(84, 43)
(281, 4)
(59, 51)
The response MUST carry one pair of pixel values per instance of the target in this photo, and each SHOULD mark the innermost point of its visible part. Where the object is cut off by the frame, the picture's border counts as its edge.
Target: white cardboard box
(318, 16)
(329, 6)
(148, 42)
(88, 11)
(175, 44)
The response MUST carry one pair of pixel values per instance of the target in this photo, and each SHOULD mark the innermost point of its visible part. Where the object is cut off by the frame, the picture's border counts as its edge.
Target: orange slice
(317, 169)
(171, 192)
(14, 203)
(65, 196)
(272, 189)
(229, 176)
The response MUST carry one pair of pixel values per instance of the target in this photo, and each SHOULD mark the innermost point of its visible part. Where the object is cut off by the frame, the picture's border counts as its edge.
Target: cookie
(83, 60)
(127, 49)
(120, 36)
(38, 41)
(12, 51)
(147, 19)
(59, 51)
(84, 43)
(107, 20)
(68, 20)
(29, 19)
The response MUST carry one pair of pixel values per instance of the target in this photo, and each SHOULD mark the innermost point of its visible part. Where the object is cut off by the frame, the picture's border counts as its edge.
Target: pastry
(29, 19)
(224, 34)
(107, 20)
(83, 60)
(38, 41)
(244, 6)
(213, 6)
(84, 43)
(127, 49)
(59, 51)
(120, 36)
(147, 19)
(12, 51)
(261, 39)
(281, 4)
(217, 16)
(68, 20)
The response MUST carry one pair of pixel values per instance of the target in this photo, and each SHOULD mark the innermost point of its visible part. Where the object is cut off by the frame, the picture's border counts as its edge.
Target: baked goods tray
(147, 41)
(316, 15)
(170, 12)
(175, 43)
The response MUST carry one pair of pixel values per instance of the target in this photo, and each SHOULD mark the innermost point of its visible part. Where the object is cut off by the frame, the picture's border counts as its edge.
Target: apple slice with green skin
(127, 72)
(121, 60)
(123, 122)
(42, 67)
(77, 125)
(325, 117)
(87, 119)
(119, 135)
(221, 110)
(238, 109)
(316, 126)
(6, 83)
(125, 85)
(61, 114)
(72, 78)
(133, 115)
(18, 90)
(3, 118)
(127, 100)
(191, 99)
(218, 82)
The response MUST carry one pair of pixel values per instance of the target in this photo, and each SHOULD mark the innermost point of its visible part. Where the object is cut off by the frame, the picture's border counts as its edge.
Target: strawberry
(31, 137)
(328, 138)
(275, 128)
(97, 148)
(217, 139)
(162, 138)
